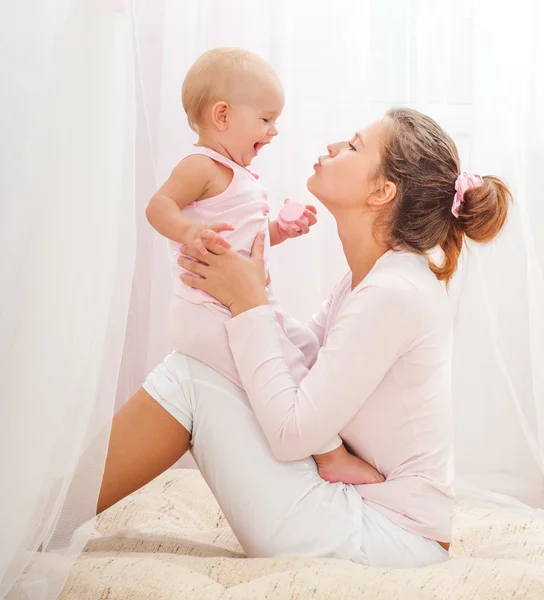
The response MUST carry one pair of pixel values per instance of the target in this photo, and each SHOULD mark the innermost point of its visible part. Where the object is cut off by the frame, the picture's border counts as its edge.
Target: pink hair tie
(464, 182)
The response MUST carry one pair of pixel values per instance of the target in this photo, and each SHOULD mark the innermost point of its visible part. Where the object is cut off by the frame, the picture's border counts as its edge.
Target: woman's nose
(333, 149)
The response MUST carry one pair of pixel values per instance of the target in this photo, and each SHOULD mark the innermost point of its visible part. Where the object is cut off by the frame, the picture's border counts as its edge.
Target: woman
(381, 378)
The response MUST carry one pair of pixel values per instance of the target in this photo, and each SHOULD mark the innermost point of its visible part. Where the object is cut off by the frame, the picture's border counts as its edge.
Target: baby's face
(252, 120)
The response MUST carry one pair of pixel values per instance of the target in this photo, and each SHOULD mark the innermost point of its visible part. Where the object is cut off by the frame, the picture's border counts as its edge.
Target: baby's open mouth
(258, 146)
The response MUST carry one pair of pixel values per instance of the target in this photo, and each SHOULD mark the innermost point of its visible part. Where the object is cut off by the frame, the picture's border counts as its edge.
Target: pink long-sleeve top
(381, 379)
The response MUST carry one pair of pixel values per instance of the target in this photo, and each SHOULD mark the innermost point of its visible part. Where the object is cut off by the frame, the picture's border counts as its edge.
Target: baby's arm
(276, 235)
(189, 182)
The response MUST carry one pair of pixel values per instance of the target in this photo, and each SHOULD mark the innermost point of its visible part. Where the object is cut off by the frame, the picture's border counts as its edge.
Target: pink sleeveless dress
(243, 204)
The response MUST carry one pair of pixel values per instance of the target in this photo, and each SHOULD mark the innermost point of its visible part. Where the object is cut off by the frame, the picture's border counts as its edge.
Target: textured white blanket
(170, 540)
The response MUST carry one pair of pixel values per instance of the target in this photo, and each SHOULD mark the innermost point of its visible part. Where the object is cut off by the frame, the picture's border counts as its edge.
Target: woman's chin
(312, 184)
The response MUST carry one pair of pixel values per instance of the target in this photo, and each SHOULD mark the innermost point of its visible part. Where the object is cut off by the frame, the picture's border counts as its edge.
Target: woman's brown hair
(422, 161)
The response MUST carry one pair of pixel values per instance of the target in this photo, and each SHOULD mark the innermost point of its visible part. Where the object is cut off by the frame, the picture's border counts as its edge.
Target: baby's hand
(279, 235)
(311, 214)
(199, 236)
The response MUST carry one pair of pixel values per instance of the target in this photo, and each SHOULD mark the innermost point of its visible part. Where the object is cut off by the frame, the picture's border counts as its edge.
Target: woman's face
(348, 176)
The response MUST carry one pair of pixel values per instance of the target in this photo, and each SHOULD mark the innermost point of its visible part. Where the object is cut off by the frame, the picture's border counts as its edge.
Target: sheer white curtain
(67, 247)
(499, 381)
(85, 282)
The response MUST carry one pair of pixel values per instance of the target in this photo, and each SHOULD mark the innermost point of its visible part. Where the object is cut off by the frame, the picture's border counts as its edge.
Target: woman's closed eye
(352, 147)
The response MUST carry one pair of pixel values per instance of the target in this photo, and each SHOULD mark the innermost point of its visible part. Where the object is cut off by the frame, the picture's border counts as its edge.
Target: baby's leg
(339, 465)
(198, 331)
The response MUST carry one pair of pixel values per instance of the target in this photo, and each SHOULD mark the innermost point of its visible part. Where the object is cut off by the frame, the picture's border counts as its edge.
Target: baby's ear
(220, 111)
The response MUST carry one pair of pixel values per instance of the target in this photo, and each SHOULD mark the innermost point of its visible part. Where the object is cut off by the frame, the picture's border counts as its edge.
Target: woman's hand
(237, 282)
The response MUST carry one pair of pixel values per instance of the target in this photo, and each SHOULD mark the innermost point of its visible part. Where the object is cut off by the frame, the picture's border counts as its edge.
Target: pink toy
(291, 212)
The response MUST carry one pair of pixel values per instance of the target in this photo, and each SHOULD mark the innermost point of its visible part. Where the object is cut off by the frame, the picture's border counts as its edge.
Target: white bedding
(170, 540)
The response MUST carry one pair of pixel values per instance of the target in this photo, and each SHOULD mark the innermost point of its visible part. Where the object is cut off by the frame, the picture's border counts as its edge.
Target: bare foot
(341, 466)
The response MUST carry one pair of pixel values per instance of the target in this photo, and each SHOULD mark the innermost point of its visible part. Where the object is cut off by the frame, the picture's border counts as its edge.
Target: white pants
(275, 508)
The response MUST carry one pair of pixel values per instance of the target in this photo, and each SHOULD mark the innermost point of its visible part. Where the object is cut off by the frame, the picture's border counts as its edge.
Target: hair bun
(484, 209)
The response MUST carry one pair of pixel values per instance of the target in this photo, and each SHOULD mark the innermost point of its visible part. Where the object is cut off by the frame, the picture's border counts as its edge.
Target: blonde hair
(216, 76)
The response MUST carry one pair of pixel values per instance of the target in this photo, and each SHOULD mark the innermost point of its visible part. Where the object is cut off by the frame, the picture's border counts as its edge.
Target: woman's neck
(361, 248)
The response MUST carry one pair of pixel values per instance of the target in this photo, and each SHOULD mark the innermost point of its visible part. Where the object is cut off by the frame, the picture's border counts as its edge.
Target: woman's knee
(145, 440)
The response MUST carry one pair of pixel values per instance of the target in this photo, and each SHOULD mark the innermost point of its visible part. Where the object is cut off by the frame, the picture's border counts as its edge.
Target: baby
(232, 99)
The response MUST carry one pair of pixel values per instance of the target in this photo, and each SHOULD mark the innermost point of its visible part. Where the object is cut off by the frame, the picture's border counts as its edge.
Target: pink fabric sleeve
(377, 324)
(318, 321)
(308, 338)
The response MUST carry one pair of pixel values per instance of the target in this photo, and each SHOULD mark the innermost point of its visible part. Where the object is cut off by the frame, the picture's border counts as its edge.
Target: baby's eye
(352, 147)
(266, 121)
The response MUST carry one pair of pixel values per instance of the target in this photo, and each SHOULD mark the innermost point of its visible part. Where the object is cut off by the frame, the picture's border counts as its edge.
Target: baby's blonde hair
(216, 76)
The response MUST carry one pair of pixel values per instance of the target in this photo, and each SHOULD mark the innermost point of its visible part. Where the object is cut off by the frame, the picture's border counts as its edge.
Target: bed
(170, 540)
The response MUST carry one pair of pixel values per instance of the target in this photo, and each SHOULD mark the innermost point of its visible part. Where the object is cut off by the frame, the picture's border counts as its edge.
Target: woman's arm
(376, 326)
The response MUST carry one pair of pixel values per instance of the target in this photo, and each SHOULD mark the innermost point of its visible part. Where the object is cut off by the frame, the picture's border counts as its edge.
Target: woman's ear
(220, 111)
(383, 195)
